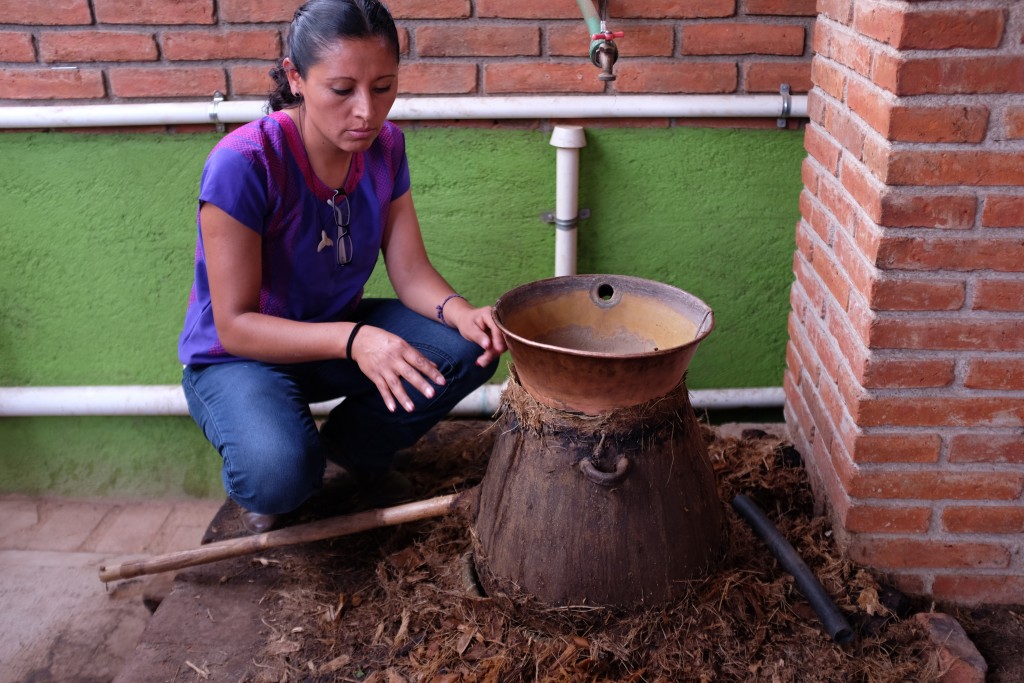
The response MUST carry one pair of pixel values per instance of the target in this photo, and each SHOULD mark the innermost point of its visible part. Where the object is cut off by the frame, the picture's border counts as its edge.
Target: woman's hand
(387, 359)
(477, 325)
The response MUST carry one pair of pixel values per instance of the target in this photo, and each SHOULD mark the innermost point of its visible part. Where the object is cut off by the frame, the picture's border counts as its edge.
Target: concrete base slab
(58, 622)
(68, 628)
(211, 623)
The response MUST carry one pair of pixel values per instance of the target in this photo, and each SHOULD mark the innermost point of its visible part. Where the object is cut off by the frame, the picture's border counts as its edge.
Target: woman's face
(348, 93)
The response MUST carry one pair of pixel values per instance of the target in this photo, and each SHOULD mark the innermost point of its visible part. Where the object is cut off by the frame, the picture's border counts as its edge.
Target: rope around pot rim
(669, 409)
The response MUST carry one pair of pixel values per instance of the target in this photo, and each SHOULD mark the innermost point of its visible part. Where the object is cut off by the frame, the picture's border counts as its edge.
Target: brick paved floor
(58, 622)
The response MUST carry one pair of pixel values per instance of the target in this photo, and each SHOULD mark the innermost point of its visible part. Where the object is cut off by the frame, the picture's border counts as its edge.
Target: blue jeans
(257, 414)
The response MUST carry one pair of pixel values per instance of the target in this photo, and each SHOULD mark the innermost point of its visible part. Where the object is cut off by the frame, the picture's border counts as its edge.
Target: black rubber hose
(831, 618)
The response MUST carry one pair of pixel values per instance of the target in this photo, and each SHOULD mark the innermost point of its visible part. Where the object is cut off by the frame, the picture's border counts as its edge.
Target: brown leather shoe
(255, 523)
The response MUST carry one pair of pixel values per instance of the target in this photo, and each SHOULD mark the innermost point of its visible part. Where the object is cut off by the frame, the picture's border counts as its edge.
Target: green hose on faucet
(590, 15)
(603, 52)
(593, 20)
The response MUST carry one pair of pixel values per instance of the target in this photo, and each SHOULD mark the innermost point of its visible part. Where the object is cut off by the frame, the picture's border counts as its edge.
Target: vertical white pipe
(566, 210)
(568, 140)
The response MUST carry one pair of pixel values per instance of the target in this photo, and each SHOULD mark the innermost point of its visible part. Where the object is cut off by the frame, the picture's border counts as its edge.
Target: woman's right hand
(387, 359)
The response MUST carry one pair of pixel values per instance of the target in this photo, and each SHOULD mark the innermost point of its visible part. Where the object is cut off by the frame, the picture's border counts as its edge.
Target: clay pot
(593, 343)
(619, 509)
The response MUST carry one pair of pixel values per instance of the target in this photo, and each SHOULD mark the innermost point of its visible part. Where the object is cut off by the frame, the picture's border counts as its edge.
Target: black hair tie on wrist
(351, 338)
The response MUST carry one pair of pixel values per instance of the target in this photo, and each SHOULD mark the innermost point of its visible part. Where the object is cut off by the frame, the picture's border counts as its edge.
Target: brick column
(905, 379)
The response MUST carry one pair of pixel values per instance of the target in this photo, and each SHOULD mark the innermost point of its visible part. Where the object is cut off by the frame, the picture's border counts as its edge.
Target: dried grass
(399, 604)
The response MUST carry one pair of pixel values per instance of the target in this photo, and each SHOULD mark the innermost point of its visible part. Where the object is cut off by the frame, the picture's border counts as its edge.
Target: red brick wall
(905, 380)
(96, 51)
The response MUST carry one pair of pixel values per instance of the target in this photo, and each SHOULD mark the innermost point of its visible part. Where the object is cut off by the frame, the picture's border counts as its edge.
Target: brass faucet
(603, 52)
(604, 58)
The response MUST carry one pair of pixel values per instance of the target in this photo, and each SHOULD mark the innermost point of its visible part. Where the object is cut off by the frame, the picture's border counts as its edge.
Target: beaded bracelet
(440, 307)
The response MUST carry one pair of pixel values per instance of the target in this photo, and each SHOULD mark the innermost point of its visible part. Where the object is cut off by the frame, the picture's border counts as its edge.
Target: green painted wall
(97, 238)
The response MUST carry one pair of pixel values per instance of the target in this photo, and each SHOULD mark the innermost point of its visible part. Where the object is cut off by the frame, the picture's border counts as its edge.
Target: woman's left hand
(477, 325)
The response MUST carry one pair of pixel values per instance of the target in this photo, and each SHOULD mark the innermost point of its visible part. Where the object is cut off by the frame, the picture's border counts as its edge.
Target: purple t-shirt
(260, 175)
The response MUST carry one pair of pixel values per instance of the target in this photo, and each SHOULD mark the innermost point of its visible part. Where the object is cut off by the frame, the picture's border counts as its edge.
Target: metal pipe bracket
(787, 105)
(218, 97)
(565, 223)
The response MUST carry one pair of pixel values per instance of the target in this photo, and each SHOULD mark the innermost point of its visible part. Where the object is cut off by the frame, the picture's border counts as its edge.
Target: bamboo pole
(303, 533)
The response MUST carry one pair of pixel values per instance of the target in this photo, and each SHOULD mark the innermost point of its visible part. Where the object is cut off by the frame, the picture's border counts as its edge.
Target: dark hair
(315, 27)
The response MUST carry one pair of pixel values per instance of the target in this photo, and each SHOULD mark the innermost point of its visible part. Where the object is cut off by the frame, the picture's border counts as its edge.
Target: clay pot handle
(605, 478)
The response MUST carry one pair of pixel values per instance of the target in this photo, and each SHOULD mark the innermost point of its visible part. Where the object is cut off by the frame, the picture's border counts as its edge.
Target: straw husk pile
(401, 604)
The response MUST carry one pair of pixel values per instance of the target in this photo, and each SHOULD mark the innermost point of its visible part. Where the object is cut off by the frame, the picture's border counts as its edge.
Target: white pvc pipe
(169, 400)
(416, 108)
(733, 399)
(150, 114)
(166, 400)
(568, 140)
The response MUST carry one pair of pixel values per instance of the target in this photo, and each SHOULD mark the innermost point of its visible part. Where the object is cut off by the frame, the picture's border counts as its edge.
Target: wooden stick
(302, 533)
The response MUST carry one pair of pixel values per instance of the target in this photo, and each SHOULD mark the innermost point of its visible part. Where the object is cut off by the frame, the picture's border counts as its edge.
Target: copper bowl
(594, 343)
